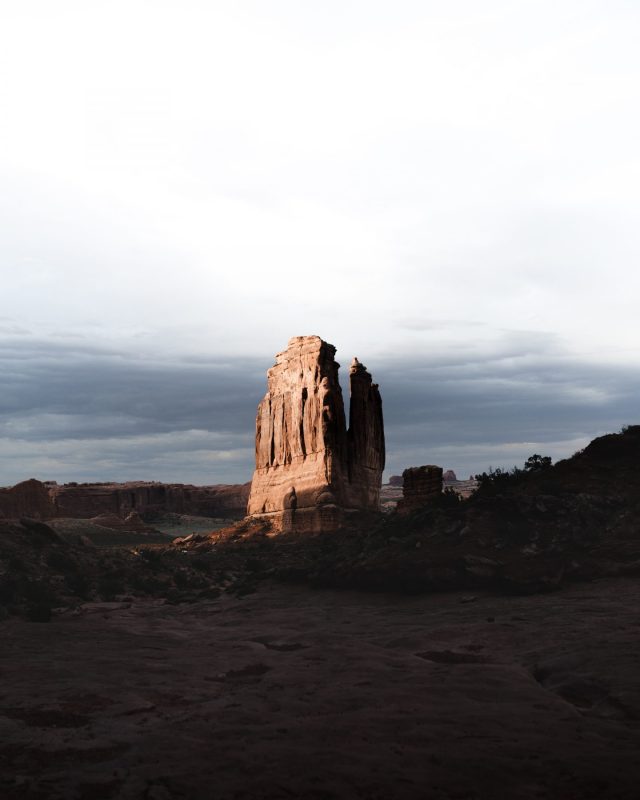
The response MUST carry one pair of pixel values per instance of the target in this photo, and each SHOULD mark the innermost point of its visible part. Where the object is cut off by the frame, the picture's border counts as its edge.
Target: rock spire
(311, 470)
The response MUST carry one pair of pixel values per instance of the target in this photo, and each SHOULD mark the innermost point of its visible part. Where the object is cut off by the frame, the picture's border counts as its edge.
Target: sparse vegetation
(536, 462)
(497, 479)
(450, 497)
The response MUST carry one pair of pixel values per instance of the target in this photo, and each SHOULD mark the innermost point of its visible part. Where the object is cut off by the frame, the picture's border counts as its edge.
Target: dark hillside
(528, 532)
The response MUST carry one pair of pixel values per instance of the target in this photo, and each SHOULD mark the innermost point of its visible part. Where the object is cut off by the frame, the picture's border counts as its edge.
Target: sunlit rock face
(311, 470)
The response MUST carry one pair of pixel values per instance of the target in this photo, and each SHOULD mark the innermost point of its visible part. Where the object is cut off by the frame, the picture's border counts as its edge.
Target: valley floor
(298, 693)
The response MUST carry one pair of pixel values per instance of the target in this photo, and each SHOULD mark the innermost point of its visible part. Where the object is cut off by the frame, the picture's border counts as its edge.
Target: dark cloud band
(77, 412)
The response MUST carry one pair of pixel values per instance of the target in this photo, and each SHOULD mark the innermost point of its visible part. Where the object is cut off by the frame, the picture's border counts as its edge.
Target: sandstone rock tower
(311, 471)
(420, 486)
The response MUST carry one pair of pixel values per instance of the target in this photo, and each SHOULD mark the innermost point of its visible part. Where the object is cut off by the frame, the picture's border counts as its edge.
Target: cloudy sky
(448, 190)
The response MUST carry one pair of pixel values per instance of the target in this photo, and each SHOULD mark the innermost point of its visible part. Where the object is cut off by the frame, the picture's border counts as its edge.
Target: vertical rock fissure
(286, 453)
(302, 407)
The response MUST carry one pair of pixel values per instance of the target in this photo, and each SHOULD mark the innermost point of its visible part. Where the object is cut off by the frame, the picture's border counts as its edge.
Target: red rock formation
(309, 468)
(27, 499)
(449, 476)
(421, 486)
(86, 500)
(90, 500)
(365, 438)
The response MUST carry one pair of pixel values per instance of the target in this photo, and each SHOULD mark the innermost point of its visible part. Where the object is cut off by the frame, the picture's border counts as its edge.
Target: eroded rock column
(421, 486)
(310, 470)
(365, 437)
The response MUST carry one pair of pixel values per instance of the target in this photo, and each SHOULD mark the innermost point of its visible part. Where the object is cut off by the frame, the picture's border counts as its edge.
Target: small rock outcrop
(310, 469)
(421, 485)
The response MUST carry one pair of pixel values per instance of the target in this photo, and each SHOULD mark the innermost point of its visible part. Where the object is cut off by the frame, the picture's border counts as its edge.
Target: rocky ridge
(577, 521)
(38, 500)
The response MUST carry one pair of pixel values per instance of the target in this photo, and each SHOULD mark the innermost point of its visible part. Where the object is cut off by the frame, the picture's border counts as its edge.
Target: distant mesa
(148, 499)
(50, 500)
(395, 480)
(311, 470)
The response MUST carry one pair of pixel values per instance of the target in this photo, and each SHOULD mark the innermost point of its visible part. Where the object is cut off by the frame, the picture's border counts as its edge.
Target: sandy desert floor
(296, 693)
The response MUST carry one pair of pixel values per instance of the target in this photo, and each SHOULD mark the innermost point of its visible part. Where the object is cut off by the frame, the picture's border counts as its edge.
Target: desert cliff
(35, 499)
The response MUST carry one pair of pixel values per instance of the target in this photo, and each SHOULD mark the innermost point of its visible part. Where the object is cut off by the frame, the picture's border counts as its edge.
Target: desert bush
(110, 585)
(201, 563)
(450, 498)
(150, 555)
(536, 463)
(498, 479)
(61, 561)
(36, 591)
(78, 584)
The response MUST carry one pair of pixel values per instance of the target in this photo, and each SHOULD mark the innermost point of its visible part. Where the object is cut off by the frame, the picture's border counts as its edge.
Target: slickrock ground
(204, 678)
(294, 693)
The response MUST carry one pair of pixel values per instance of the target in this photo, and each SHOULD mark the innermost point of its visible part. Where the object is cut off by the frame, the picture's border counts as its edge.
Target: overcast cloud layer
(448, 191)
(76, 413)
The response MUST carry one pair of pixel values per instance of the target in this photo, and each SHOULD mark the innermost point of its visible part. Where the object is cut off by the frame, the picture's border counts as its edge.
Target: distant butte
(311, 470)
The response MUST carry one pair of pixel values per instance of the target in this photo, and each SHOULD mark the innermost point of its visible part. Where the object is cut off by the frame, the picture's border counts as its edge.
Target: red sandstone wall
(83, 501)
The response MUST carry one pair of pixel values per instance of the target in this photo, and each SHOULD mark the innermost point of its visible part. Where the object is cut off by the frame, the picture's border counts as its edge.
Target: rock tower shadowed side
(311, 472)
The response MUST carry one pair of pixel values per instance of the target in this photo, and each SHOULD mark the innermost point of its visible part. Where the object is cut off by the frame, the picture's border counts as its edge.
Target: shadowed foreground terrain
(327, 694)
(234, 664)
(577, 521)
